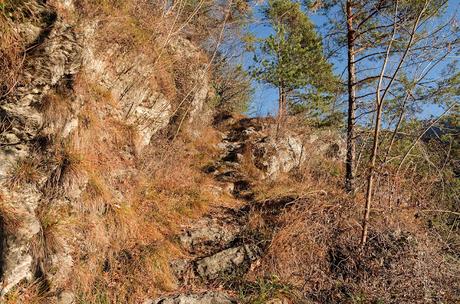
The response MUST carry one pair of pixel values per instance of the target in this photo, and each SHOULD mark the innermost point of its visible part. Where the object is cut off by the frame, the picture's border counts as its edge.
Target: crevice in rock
(49, 18)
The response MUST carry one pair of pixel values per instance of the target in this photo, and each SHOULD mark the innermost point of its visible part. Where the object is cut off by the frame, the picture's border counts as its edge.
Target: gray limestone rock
(210, 297)
(209, 234)
(228, 262)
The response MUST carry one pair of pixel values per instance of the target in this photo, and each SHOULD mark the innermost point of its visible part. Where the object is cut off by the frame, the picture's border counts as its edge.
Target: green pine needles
(291, 58)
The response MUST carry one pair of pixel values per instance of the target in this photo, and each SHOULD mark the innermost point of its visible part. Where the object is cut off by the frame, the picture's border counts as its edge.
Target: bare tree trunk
(370, 179)
(350, 159)
(282, 109)
(379, 104)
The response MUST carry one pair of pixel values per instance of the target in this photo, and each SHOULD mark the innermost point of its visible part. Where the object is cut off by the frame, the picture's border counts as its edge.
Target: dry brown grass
(138, 232)
(56, 109)
(131, 205)
(56, 226)
(10, 216)
(25, 171)
(30, 294)
(68, 168)
(12, 44)
(315, 249)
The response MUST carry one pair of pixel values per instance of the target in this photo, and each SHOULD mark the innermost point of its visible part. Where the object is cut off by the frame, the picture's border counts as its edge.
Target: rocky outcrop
(128, 76)
(222, 247)
(217, 247)
(229, 262)
(216, 231)
(254, 143)
(55, 57)
(210, 297)
(59, 48)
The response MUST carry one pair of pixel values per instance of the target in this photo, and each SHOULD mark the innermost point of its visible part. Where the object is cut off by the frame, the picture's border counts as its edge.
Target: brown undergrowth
(132, 206)
(114, 209)
(315, 248)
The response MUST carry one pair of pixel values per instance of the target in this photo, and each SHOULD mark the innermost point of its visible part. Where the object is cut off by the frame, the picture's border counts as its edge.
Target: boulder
(257, 141)
(210, 297)
(229, 262)
(210, 234)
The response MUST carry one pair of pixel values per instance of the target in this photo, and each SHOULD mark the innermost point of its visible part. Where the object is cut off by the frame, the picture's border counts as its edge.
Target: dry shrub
(24, 171)
(12, 45)
(10, 216)
(316, 245)
(30, 294)
(316, 249)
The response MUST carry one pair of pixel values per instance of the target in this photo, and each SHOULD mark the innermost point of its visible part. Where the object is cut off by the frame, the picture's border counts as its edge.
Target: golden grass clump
(68, 166)
(55, 108)
(24, 171)
(10, 216)
(56, 226)
(12, 44)
(30, 294)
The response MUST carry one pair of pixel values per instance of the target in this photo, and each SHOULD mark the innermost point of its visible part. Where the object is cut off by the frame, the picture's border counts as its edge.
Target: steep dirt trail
(222, 246)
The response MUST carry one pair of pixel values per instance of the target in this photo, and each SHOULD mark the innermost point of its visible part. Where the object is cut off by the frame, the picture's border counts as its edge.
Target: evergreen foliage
(291, 58)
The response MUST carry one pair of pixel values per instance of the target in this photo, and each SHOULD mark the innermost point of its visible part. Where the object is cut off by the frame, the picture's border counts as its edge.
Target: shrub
(10, 216)
(25, 171)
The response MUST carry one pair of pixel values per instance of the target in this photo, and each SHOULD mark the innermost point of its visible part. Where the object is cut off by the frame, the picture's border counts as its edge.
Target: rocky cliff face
(67, 66)
(51, 64)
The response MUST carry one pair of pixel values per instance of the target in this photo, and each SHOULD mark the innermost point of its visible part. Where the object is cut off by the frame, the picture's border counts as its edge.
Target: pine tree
(291, 59)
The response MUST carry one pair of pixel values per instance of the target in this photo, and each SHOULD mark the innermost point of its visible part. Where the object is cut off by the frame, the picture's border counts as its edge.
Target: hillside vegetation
(128, 173)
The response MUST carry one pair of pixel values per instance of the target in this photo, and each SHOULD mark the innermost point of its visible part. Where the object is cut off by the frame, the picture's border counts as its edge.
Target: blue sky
(265, 98)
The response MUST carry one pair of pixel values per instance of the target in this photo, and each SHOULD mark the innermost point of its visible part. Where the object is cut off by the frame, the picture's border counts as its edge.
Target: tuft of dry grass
(24, 171)
(56, 226)
(12, 45)
(30, 294)
(10, 216)
(68, 166)
(56, 109)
